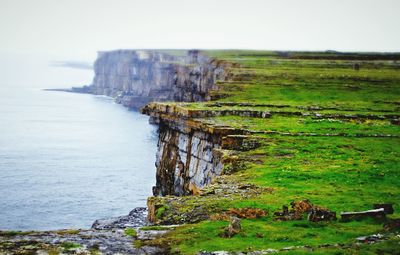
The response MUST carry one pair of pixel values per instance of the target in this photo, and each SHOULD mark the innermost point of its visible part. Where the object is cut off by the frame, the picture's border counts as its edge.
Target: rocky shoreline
(106, 236)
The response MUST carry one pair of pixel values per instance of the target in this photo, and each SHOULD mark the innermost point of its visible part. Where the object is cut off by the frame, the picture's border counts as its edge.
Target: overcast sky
(76, 29)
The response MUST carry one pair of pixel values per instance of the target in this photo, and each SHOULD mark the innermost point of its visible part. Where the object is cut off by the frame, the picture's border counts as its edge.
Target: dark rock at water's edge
(136, 218)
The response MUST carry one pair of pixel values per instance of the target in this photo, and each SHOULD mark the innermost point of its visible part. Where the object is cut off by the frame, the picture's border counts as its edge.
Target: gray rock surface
(185, 161)
(87, 241)
(107, 236)
(137, 77)
(136, 218)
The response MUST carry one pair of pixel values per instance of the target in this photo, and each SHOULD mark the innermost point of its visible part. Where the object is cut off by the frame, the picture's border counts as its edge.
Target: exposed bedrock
(190, 153)
(186, 161)
(136, 77)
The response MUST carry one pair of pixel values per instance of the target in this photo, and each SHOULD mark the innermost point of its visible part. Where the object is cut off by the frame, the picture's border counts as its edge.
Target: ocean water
(68, 159)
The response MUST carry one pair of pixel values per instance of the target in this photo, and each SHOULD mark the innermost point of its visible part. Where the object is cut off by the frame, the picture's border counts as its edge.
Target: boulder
(302, 207)
(388, 208)
(136, 218)
(392, 225)
(233, 228)
(378, 214)
(321, 214)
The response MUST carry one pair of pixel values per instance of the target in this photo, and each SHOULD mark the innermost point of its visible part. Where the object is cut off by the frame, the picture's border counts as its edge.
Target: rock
(185, 159)
(298, 209)
(83, 242)
(395, 122)
(214, 253)
(388, 208)
(243, 213)
(172, 210)
(378, 214)
(301, 206)
(321, 214)
(392, 225)
(240, 142)
(370, 239)
(151, 234)
(136, 218)
(247, 213)
(233, 228)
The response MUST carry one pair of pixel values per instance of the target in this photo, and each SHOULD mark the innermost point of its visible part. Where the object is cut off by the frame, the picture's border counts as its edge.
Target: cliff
(189, 152)
(288, 128)
(137, 77)
(187, 156)
(298, 129)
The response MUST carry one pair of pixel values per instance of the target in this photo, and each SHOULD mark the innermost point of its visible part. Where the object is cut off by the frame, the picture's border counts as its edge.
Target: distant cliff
(137, 77)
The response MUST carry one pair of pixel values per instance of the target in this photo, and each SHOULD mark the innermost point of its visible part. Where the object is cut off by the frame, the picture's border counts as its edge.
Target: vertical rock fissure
(188, 159)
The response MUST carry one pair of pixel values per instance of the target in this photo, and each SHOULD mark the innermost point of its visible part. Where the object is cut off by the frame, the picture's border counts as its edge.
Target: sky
(76, 29)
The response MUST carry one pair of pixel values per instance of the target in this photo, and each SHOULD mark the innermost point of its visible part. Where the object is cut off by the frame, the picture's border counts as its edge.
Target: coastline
(207, 159)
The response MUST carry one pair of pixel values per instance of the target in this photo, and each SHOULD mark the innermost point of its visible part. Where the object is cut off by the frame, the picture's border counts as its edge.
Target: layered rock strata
(189, 152)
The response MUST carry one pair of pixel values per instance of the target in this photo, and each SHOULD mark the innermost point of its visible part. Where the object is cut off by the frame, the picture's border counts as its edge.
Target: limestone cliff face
(136, 77)
(186, 160)
(189, 153)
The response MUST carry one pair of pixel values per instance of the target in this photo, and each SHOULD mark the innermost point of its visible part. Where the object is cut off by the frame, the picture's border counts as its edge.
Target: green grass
(267, 77)
(70, 246)
(262, 234)
(130, 232)
(309, 125)
(155, 227)
(342, 174)
(388, 247)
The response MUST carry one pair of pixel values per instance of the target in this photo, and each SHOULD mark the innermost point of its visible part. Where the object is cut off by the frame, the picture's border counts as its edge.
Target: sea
(67, 159)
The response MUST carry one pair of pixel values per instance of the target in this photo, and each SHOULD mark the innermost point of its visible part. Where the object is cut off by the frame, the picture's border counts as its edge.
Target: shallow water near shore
(68, 159)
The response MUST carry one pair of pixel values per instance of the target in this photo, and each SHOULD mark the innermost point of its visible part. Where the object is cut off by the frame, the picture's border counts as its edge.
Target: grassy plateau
(332, 137)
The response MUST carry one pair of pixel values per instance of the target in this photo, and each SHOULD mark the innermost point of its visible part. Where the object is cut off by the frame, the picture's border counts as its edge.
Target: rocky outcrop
(186, 161)
(136, 218)
(187, 158)
(206, 205)
(190, 151)
(137, 77)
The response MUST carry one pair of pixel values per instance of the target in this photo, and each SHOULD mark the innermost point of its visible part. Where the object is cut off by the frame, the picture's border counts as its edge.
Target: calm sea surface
(68, 159)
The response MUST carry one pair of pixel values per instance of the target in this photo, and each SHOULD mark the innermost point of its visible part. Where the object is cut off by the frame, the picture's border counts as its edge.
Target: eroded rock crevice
(186, 160)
